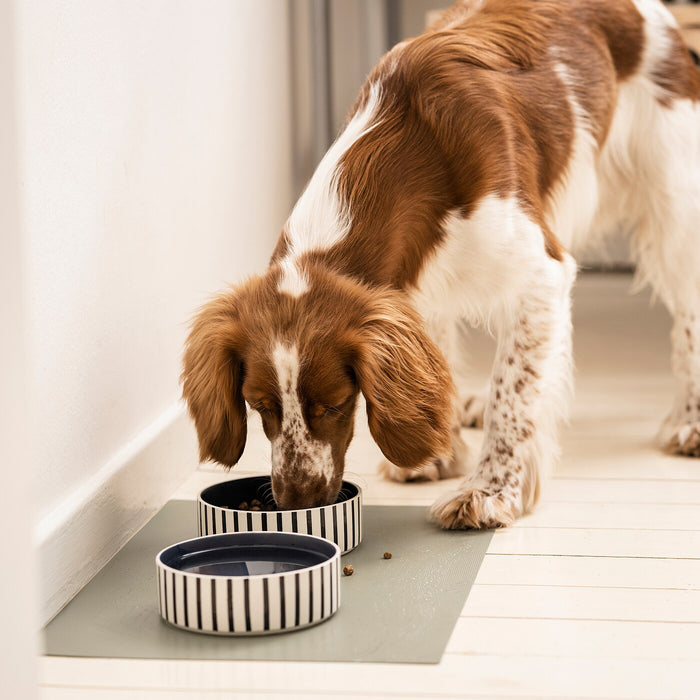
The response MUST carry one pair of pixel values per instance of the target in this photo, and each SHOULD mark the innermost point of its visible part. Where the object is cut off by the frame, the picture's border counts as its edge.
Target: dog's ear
(211, 381)
(405, 381)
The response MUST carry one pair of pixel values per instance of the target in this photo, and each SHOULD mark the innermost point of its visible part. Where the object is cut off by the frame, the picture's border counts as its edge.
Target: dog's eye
(336, 410)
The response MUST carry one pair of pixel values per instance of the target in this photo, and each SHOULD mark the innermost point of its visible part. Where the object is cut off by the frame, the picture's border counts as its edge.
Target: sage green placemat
(398, 610)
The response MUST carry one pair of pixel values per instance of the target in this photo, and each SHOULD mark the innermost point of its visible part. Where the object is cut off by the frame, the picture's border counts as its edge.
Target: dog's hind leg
(666, 244)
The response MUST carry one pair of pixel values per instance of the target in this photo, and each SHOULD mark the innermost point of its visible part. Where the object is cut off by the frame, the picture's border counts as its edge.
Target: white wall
(155, 168)
(18, 643)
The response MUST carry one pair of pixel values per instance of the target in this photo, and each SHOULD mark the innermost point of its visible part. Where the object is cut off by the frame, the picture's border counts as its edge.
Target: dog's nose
(303, 492)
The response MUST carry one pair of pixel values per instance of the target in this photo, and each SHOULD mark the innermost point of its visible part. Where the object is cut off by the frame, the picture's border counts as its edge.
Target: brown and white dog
(476, 157)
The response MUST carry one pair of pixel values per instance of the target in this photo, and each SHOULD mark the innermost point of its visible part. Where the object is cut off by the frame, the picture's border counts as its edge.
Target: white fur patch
(483, 263)
(320, 218)
(574, 199)
(315, 457)
(657, 20)
(293, 280)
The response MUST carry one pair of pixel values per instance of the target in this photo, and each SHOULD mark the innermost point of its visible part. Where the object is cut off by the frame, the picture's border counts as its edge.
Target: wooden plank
(575, 638)
(608, 572)
(572, 602)
(457, 676)
(634, 516)
(678, 544)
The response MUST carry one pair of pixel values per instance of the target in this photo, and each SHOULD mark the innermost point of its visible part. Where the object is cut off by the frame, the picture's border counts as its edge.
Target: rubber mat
(400, 610)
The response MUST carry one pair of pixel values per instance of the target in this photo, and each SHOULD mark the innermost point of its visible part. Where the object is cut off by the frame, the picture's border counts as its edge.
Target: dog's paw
(474, 509)
(427, 472)
(683, 439)
(472, 413)
(458, 464)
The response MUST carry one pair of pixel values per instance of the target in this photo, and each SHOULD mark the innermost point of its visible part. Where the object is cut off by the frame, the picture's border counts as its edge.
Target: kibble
(348, 570)
(254, 505)
(387, 555)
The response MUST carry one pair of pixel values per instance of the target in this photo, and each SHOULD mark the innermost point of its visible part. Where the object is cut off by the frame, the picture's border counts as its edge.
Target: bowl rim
(336, 555)
(200, 499)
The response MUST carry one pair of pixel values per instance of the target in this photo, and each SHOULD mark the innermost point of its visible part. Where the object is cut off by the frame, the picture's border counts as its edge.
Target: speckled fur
(296, 456)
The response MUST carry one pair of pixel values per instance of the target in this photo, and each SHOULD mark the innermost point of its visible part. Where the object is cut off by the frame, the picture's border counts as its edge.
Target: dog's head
(300, 360)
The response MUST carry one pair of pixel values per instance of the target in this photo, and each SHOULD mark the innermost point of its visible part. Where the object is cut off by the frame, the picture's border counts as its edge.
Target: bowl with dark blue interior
(247, 505)
(248, 583)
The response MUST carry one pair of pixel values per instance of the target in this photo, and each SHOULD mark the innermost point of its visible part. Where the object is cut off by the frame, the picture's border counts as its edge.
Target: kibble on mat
(348, 570)
(387, 555)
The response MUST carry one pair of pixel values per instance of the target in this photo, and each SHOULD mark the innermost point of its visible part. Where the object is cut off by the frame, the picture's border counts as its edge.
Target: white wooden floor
(594, 595)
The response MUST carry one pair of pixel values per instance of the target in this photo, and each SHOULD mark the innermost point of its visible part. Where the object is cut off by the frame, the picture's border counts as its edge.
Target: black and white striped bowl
(248, 583)
(340, 522)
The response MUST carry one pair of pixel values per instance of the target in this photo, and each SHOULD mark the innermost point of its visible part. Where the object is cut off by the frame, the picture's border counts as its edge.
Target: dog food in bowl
(219, 511)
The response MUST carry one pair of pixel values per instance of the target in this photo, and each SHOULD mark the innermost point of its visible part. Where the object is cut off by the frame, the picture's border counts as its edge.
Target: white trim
(76, 539)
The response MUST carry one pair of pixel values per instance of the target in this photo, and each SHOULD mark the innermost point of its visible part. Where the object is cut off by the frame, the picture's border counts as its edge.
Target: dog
(478, 158)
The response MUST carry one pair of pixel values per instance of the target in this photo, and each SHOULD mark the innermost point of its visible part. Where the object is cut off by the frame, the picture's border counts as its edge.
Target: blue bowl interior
(230, 494)
(247, 554)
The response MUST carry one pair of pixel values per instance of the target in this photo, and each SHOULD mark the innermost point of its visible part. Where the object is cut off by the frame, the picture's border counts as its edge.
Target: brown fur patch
(678, 75)
(474, 106)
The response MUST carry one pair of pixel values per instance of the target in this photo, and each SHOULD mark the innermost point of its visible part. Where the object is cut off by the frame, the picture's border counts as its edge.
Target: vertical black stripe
(184, 597)
(224, 515)
(323, 591)
(264, 521)
(213, 521)
(283, 604)
(311, 595)
(174, 600)
(353, 505)
(229, 602)
(279, 521)
(323, 522)
(295, 526)
(359, 521)
(206, 523)
(199, 517)
(309, 526)
(165, 594)
(266, 604)
(296, 600)
(160, 591)
(345, 524)
(246, 603)
(213, 605)
(199, 603)
(235, 521)
(332, 586)
(249, 521)
(335, 525)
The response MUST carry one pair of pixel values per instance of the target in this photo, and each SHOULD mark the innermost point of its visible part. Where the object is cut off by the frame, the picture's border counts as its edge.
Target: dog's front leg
(529, 393)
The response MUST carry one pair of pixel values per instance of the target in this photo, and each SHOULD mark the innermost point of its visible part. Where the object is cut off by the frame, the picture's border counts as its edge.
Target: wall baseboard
(79, 537)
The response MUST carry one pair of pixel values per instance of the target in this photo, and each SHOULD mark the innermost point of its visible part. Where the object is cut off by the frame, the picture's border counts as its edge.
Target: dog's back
(478, 157)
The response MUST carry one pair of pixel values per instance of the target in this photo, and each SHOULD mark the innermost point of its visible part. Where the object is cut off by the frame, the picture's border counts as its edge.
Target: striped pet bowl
(219, 511)
(248, 583)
